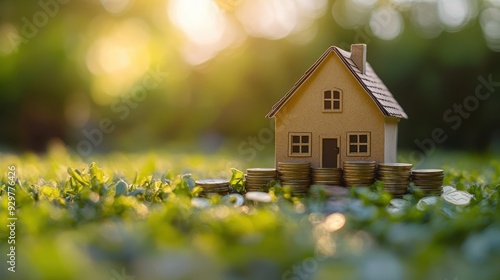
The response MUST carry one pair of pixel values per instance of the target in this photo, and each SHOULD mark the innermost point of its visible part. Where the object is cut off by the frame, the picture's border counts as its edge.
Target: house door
(329, 152)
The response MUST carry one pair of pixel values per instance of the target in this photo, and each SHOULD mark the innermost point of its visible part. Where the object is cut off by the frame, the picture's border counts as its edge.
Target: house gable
(367, 78)
(306, 104)
(303, 112)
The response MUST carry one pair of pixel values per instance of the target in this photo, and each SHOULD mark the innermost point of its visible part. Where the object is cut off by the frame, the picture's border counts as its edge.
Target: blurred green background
(69, 69)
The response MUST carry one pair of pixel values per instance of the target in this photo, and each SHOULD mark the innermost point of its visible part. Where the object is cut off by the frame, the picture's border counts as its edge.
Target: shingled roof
(369, 81)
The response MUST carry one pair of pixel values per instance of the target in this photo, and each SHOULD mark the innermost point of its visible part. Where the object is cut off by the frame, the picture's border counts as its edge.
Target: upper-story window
(332, 100)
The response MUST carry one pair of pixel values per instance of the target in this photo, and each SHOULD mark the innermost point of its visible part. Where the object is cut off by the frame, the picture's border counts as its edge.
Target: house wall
(391, 139)
(304, 113)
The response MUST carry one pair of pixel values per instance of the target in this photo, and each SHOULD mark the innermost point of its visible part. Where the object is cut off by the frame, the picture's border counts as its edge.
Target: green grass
(75, 220)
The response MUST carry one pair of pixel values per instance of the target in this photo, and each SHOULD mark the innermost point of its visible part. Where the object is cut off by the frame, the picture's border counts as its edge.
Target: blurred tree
(64, 67)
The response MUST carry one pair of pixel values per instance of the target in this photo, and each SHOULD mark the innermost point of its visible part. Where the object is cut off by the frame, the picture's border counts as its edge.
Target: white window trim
(300, 134)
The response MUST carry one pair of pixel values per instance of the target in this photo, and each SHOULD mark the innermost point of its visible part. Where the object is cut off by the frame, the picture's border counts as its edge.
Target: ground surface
(74, 220)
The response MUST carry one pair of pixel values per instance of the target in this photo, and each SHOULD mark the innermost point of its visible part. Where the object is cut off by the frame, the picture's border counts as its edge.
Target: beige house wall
(303, 112)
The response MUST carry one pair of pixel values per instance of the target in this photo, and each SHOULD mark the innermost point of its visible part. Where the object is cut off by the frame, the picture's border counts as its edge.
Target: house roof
(369, 81)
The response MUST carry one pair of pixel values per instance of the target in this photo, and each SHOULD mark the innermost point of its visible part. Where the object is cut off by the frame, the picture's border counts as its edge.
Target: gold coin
(259, 169)
(212, 182)
(425, 171)
(395, 164)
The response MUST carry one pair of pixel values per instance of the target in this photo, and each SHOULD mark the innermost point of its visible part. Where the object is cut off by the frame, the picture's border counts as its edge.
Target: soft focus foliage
(65, 66)
(132, 215)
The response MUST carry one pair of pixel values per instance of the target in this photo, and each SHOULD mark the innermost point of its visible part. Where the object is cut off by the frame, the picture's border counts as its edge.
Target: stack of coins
(213, 186)
(359, 173)
(428, 180)
(257, 179)
(327, 176)
(296, 176)
(395, 176)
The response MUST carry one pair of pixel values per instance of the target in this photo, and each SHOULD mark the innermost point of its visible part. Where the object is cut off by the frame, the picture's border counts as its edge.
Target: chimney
(358, 56)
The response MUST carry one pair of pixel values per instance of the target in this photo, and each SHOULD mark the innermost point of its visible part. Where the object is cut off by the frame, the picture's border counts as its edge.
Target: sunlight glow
(278, 18)
(111, 55)
(115, 6)
(207, 28)
(9, 39)
(117, 58)
(200, 20)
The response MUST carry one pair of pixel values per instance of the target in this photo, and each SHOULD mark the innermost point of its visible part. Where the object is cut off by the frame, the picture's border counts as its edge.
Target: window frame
(332, 100)
(359, 144)
(300, 144)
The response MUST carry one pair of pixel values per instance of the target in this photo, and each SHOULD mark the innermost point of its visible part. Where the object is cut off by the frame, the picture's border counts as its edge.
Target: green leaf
(97, 173)
(190, 182)
(76, 175)
(49, 192)
(184, 185)
(136, 192)
(237, 180)
(121, 188)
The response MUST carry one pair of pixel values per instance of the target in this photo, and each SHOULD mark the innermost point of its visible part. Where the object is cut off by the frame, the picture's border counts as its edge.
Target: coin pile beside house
(428, 180)
(297, 176)
(213, 186)
(257, 179)
(395, 176)
(359, 173)
(300, 176)
(327, 176)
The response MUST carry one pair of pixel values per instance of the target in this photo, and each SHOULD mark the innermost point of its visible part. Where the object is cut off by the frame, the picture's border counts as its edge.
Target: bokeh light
(206, 27)
(386, 23)
(366, 3)
(278, 18)
(350, 14)
(454, 13)
(115, 6)
(201, 20)
(425, 16)
(9, 39)
(334, 222)
(490, 24)
(118, 57)
(103, 49)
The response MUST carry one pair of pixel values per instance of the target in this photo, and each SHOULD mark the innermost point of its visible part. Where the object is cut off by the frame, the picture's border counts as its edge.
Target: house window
(299, 144)
(358, 144)
(332, 100)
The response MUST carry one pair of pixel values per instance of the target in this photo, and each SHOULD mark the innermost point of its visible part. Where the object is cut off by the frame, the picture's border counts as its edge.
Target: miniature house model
(338, 110)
